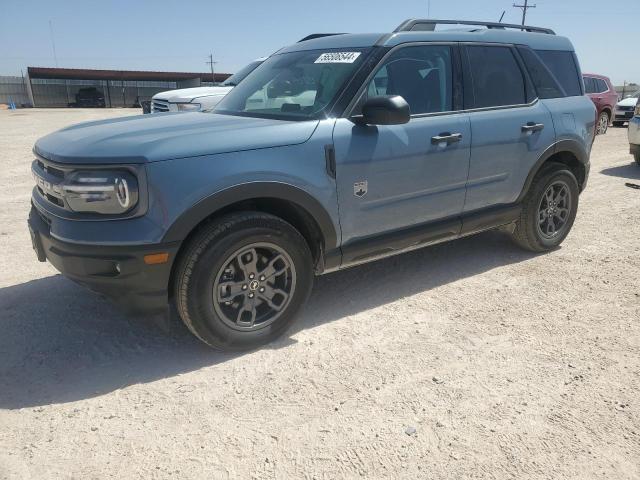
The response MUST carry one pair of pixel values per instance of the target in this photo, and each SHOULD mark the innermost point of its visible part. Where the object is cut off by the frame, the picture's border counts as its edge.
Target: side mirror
(384, 110)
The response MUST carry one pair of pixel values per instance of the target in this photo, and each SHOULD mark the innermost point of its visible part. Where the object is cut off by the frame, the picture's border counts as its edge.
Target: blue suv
(336, 151)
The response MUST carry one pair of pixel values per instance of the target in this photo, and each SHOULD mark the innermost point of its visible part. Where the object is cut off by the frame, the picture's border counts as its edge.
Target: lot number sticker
(338, 57)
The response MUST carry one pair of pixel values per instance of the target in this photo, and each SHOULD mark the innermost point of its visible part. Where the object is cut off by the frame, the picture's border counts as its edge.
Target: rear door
(510, 129)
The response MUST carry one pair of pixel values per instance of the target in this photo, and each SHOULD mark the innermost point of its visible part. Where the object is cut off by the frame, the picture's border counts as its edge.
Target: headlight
(637, 110)
(100, 191)
(182, 107)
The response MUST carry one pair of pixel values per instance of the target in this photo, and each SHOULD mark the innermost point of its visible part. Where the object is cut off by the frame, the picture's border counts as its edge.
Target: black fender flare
(188, 220)
(572, 146)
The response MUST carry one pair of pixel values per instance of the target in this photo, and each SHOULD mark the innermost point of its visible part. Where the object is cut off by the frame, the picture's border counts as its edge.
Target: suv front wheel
(242, 280)
(549, 209)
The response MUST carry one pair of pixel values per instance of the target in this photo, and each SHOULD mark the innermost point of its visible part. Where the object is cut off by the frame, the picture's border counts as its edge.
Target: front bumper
(623, 116)
(118, 272)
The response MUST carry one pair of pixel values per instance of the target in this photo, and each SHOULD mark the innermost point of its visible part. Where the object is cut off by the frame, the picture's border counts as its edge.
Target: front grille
(160, 105)
(56, 172)
(626, 109)
(48, 180)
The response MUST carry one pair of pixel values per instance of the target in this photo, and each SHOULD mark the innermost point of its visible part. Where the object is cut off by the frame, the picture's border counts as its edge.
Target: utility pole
(524, 8)
(212, 63)
(53, 43)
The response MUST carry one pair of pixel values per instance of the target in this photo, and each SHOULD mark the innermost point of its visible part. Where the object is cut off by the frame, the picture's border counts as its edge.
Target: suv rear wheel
(549, 209)
(603, 123)
(242, 280)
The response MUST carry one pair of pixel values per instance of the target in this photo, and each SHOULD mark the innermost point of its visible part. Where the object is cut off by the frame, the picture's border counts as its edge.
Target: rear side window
(563, 66)
(543, 80)
(496, 77)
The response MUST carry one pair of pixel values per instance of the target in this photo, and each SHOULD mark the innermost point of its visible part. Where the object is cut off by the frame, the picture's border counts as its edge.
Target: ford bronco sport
(334, 152)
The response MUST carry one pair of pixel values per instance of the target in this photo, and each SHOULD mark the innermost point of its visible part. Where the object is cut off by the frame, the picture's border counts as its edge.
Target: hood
(165, 136)
(185, 95)
(628, 102)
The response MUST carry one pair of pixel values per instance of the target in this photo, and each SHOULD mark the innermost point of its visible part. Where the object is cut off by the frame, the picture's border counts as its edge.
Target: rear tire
(242, 279)
(603, 123)
(548, 210)
(636, 157)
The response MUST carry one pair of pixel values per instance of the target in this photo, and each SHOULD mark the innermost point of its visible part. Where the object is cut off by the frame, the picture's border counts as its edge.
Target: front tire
(549, 209)
(603, 123)
(242, 280)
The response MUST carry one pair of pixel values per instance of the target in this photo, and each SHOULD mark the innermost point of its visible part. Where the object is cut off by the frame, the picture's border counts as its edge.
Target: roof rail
(318, 35)
(429, 25)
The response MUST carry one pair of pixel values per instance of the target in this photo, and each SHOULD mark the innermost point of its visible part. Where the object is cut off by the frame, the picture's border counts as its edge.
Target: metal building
(59, 87)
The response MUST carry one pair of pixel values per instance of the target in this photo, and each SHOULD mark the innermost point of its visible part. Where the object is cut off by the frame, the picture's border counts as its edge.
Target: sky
(179, 35)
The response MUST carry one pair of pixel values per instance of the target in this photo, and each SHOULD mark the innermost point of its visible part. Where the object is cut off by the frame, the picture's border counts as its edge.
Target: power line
(524, 8)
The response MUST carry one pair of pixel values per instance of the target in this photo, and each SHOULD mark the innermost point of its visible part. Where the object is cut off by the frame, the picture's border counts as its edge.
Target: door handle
(447, 138)
(532, 127)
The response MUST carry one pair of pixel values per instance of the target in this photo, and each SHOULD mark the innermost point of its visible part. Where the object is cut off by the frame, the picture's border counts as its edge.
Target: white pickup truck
(199, 98)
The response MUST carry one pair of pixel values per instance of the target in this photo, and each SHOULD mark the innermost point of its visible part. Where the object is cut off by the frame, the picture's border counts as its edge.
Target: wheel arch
(568, 152)
(283, 200)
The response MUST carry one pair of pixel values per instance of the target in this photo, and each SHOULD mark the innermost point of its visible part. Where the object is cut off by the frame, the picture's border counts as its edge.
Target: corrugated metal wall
(13, 89)
(117, 93)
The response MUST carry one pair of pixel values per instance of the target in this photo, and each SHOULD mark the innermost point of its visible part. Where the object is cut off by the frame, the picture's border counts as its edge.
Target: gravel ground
(471, 359)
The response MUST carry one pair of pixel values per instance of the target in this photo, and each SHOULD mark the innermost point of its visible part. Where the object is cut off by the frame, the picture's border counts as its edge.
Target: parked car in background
(624, 109)
(603, 94)
(336, 151)
(199, 98)
(89, 97)
(634, 133)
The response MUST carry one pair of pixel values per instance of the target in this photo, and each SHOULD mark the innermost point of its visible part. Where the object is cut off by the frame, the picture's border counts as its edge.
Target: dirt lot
(471, 359)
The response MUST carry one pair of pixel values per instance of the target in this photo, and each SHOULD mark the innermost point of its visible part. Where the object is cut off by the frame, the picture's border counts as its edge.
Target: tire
(636, 157)
(214, 282)
(537, 236)
(603, 123)
(618, 124)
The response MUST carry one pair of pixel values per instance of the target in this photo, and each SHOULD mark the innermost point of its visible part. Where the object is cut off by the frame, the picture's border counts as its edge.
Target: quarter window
(496, 77)
(563, 66)
(420, 74)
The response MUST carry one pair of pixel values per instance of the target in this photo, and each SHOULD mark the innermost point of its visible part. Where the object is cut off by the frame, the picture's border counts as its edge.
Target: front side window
(563, 66)
(241, 74)
(419, 74)
(294, 86)
(589, 85)
(496, 77)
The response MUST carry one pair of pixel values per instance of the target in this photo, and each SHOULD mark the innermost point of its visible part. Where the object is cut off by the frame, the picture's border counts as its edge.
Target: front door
(392, 178)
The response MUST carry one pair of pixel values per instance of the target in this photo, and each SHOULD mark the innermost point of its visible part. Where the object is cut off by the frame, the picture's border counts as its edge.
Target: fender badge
(360, 189)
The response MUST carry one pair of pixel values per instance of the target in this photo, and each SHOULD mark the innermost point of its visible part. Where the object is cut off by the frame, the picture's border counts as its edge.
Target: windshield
(237, 77)
(292, 86)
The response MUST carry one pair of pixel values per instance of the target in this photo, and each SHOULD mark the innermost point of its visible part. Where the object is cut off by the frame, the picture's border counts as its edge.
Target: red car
(600, 90)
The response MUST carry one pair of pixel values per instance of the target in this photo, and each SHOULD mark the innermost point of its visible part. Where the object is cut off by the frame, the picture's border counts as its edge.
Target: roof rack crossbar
(429, 25)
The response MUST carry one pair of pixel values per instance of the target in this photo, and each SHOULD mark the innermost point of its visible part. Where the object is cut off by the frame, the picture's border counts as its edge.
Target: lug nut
(262, 290)
(244, 287)
(251, 295)
(251, 276)
(262, 278)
